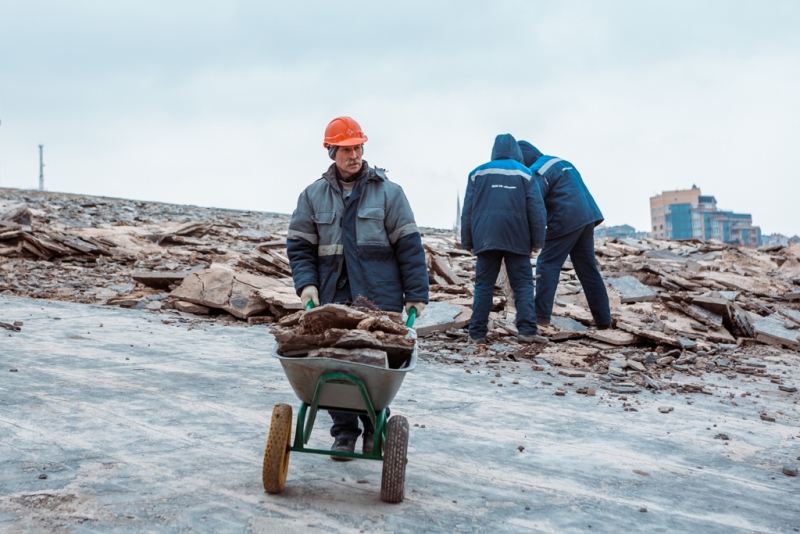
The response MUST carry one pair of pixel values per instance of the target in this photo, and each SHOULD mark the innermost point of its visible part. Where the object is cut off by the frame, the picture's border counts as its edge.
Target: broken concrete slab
(440, 317)
(189, 307)
(567, 324)
(772, 330)
(219, 286)
(631, 289)
(374, 357)
(164, 279)
(615, 337)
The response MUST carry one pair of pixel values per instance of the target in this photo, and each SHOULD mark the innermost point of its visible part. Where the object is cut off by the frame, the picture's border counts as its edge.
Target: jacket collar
(370, 175)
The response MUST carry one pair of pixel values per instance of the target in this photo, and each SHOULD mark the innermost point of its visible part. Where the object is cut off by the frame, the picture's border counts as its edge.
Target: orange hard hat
(343, 131)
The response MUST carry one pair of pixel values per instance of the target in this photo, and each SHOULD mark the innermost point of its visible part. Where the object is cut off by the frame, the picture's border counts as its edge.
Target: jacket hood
(529, 153)
(505, 147)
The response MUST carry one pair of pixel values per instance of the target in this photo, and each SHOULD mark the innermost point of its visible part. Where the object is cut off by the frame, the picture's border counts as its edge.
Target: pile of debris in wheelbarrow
(358, 334)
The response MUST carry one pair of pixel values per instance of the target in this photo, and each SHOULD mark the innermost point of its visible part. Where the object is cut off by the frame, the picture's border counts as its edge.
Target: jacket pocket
(324, 217)
(371, 227)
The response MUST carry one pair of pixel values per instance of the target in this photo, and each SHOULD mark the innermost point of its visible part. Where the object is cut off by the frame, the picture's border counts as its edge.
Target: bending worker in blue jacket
(353, 234)
(503, 219)
(572, 215)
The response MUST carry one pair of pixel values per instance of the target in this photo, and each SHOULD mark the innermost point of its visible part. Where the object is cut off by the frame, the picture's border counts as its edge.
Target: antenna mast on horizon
(41, 167)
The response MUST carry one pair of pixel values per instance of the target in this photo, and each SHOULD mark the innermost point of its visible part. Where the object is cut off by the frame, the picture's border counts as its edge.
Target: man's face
(348, 160)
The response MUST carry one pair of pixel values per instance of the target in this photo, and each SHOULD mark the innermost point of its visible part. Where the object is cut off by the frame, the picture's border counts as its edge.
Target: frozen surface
(142, 426)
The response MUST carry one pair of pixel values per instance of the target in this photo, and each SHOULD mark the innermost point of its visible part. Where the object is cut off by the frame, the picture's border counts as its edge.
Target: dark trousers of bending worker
(520, 275)
(346, 424)
(579, 246)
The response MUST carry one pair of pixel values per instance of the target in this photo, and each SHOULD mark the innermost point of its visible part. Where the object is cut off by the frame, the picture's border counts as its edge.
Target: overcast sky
(225, 103)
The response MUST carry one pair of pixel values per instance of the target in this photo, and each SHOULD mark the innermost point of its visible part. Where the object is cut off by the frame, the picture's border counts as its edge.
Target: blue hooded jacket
(569, 204)
(503, 207)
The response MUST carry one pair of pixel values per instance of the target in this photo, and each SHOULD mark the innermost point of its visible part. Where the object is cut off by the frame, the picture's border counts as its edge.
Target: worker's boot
(477, 341)
(343, 444)
(532, 338)
(366, 444)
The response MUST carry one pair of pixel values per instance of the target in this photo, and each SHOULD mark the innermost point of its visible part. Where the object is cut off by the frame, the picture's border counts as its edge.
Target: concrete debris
(373, 357)
(680, 309)
(365, 335)
(631, 289)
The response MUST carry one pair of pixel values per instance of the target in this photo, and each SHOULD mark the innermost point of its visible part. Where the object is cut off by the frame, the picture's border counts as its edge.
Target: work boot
(343, 444)
(532, 338)
(603, 326)
(541, 321)
(477, 341)
(366, 443)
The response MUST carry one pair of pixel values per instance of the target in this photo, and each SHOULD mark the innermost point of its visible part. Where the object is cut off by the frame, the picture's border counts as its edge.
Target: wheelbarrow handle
(412, 313)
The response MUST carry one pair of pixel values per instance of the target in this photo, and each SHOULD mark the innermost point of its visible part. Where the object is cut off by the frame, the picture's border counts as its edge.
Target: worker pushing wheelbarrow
(329, 383)
(353, 235)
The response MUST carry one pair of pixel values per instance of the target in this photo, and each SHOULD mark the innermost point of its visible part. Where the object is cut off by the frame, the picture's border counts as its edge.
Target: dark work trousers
(520, 275)
(346, 424)
(579, 246)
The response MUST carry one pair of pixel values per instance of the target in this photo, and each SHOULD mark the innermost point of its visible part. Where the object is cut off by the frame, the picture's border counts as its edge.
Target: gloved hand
(309, 293)
(418, 305)
(535, 251)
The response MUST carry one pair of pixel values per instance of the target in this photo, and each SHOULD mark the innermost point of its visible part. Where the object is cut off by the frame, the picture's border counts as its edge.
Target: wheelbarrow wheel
(276, 454)
(395, 452)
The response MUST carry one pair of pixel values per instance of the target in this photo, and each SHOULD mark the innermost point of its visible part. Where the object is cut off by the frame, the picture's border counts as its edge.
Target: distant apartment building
(688, 214)
(778, 240)
(621, 231)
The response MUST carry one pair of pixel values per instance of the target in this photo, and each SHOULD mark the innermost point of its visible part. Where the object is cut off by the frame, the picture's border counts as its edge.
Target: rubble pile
(684, 308)
(679, 308)
(134, 254)
(356, 334)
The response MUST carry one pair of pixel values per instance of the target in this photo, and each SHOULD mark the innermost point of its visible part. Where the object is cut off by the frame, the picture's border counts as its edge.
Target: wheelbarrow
(330, 384)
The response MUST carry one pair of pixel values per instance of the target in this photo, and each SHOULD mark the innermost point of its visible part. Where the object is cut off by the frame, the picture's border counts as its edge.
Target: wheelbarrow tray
(382, 385)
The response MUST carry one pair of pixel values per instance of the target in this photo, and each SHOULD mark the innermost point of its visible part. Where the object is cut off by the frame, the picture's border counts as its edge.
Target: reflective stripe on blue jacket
(569, 204)
(503, 207)
(373, 231)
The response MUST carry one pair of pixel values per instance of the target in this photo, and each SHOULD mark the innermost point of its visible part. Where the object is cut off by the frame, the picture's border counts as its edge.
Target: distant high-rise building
(688, 214)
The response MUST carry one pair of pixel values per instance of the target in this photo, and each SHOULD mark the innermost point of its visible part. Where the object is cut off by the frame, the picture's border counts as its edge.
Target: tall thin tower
(457, 225)
(41, 167)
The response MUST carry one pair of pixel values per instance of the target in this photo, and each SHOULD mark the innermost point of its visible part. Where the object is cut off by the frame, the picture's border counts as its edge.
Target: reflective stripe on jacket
(569, 204)
(503, 208)
(373, 231)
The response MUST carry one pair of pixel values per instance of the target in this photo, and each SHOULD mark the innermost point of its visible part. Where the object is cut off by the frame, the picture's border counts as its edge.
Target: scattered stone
(633, 364)
(571, 373)
(723, 437)
(788, 389)
(560, 392)
(789, 471)
(520, 448)
(631, 289)
(767, 417)
(190, 307)
(665, 409)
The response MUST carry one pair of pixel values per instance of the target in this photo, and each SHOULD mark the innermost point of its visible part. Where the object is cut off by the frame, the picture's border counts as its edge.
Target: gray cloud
(224, 103)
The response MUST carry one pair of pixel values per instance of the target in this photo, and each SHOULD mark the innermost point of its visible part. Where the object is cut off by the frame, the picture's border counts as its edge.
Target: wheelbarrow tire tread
(276, 453)
(395, 452)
